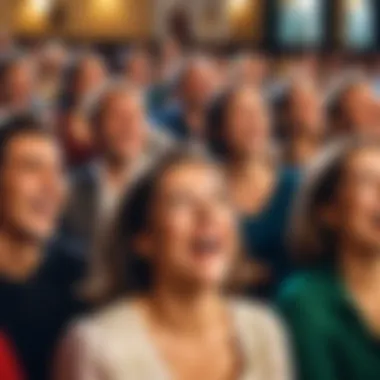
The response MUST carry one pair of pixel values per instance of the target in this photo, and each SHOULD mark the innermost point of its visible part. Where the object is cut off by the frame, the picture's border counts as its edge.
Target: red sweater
(9, 366)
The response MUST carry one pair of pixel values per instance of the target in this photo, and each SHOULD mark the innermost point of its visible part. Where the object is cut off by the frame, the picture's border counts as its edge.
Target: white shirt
(114, 345)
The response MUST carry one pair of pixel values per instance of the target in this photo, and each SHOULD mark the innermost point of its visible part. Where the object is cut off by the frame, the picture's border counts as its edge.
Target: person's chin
(40, 234)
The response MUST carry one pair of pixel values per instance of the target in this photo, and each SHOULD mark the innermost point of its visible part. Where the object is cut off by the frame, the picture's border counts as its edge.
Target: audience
(167, 315)
(150, 187)
(332, 308)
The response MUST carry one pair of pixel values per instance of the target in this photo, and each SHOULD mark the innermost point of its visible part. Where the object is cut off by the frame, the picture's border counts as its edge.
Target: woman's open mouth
(206, 246)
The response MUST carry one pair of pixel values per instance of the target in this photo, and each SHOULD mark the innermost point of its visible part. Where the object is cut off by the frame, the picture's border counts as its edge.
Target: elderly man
(126, 146)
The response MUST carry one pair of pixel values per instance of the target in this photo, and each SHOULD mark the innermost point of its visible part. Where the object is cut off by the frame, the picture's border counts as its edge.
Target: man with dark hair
(35, 285)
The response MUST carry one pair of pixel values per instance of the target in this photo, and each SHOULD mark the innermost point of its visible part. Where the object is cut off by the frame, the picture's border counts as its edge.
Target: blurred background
(271, 24)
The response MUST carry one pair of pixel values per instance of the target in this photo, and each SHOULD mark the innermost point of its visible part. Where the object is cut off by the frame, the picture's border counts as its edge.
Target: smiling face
(247, 124)
(199, 84)
(356, 214)
(122, 128)
(32, 186)
(359, 108)
(192, 235)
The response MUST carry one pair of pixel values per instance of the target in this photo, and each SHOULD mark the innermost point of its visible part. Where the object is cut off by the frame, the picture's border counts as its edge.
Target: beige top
(113, 345)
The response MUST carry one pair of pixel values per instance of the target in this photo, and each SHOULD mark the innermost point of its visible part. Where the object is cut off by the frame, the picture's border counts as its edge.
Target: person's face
(19, 84)
(92, 75)
(123, 129)
(357, 213)
(33, 188)
(192, 227)
(306, 114)
(252, 70)
(200, 84)
(52, 62)
(247, 125)
(358, 106)
(139, 70)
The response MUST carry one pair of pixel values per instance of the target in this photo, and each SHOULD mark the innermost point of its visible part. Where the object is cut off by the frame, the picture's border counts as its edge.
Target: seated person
(240, 135)
(36, 278)
(125, 145)
(332, 308)
(168, 315)
(301, 122)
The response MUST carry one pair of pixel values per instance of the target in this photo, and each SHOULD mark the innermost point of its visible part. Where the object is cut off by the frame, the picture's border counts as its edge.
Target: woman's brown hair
(310, 239)
(121, 270)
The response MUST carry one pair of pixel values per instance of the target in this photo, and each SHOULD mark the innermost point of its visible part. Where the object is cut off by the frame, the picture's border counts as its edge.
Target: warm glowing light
(32, 15)
(237, 6)
(40, 6)
(106, 6)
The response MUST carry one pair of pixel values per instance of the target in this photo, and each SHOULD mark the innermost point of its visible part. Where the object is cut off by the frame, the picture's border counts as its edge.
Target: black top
(34, 313)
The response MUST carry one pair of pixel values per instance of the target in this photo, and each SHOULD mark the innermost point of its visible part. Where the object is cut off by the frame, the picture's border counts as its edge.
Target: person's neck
(251, 183)
(248, 167)
(117, 171)
(302, 148)
(195, 118)
(187, 312)
(360, 268)
(20, 256)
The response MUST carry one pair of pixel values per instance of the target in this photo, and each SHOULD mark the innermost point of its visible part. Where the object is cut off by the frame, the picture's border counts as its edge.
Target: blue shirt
(172, 119)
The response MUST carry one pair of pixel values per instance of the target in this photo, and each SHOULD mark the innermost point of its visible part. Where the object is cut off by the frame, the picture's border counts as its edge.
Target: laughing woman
(333, 310)
(169, 317)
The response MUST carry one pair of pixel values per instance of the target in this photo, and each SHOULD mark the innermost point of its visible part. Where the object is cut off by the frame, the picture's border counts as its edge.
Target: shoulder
(116, 327)
(170, 112)
(84, 175)
(257, 318)
(309, 294)
(115, 322)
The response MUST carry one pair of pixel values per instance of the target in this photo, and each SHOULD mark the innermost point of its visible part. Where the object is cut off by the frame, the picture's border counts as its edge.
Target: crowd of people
(175, 213)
